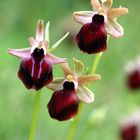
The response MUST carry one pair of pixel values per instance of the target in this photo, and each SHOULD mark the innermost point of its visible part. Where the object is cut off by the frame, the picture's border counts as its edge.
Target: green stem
(85, 133)
(96, 62)
(93, 70)
(34, 115)
(74, 124)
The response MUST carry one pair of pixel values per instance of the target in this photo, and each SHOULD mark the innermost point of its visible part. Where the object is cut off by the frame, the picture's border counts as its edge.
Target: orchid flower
(133, 74)
(68, 90)
(35, 69)
(97, 24)
(130, 127)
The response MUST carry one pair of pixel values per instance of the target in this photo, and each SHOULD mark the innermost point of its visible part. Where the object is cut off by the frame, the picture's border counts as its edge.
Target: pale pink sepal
(115, 12)
(114, 29)
(107, 4)
(85, 79)
(57, 84)
(85, 95)
(33, 42)
(54, 60)
(47, 37)
(21, 53)
(66, 69)
(40, 31)
(45, 44)
(95, 4)
(83, 17)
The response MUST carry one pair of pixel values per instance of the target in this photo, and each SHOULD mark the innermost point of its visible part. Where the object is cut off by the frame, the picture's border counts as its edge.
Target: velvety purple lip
(35, 72)
(92, 36)
(64, 103)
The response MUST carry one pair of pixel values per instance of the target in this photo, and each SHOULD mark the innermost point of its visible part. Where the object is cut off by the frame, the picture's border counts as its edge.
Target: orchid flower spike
(71, 88)
(97, 24)
(35, 69)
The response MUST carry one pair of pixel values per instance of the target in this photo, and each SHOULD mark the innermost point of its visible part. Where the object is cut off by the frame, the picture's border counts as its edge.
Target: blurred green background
(18, 23)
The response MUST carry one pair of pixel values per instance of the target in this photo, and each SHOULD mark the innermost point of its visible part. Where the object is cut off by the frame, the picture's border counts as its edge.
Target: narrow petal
(57, 43)
(33, 42)
(95, 4)
(47, 37)
(85, 79)
(115, 12)
(85, 95)
(40, 31)
(21, 53)
(56, 84)
(78, 67)
(114, 29)
(24, 50)
(54, 60)
(66, 69)
(83, 17)
(107, 3)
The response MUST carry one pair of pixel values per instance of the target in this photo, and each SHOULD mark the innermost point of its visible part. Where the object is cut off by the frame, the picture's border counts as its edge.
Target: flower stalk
(96, 62)
(74, 124)
(34, 115)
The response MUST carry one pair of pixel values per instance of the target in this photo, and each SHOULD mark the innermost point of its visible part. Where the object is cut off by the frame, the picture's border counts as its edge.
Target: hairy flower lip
(63, 104)
(35, 72)
(92, 36)
(112, 27)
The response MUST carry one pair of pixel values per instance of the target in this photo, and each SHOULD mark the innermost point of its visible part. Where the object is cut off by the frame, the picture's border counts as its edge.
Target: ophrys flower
(35, 69)
(97, 24)
(68, 90)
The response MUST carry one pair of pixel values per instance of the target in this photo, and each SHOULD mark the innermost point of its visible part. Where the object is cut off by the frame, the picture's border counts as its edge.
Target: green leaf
(78, 66)
(57, 43)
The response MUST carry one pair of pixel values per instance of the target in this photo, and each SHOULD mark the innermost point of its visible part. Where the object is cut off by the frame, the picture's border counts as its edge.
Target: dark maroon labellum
(35, 72)
(92, 37)
(64, 103)
(129, 133)
(133, 80)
